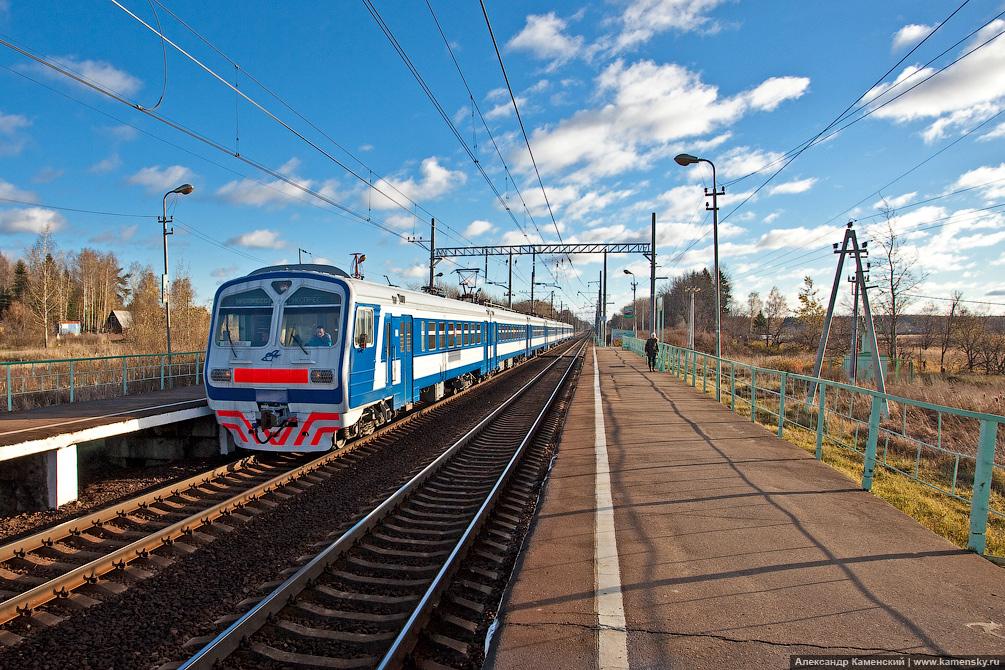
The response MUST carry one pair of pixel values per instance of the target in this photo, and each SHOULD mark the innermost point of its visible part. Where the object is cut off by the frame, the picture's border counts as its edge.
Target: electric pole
(432, 253)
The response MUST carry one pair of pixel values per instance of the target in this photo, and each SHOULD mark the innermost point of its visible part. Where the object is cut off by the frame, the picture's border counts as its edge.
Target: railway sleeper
(327, 634)
(289, 658)
(365, 617)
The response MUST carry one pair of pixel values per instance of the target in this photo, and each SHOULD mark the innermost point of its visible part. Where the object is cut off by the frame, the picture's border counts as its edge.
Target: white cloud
(121, 133)
(910, 35)
(116, 235)
(259, 239)
(157, 179)
(644, 19)
(505, 109)
(741, 161)
(995, 133)
(971, 89)
(478, 227)
(224, 272)
(544, 36)
(595, 201)
(774, 91)
(276, 192)
(11, 192)
(984, 175)
(770, 218)
(435, 181)
(100, 72)
(648, 107)
(106, 165)
(30, 220)
(895, 202)
(417, 271)
(794, 186)
(11, 138)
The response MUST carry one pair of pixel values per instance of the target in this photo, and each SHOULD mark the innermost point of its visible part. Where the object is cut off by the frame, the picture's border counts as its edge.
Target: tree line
(47, 285)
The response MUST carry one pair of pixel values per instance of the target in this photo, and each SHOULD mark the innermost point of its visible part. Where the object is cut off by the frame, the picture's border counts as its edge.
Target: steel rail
(49, 536)
(227, 641)
(406, 638)
(60, 587)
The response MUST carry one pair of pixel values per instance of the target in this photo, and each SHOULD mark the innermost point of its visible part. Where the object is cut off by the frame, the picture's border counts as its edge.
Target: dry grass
(937, 511)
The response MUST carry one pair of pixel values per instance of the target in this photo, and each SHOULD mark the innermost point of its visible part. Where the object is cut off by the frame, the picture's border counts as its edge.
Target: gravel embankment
(102, 485)
(148, 624)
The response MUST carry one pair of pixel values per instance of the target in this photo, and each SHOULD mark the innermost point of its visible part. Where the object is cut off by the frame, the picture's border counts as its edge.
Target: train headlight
(220, 374)
(322, 376)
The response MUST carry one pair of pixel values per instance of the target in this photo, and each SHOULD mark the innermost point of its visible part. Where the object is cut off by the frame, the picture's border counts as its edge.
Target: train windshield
(311, 318)
(245, 319)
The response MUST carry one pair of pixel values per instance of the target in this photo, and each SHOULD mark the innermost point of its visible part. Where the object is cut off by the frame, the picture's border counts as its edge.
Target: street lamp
(635, 320)
(685, 160)
(184, 189)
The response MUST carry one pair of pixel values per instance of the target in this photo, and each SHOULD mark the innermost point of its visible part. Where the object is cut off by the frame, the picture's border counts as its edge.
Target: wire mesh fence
(956, 452)
(30, 384)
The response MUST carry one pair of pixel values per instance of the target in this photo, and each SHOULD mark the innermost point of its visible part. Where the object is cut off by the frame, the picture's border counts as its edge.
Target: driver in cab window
(320, 339)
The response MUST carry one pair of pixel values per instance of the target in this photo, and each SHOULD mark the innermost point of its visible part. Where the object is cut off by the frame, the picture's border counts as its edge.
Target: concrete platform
(40, 445)
(723, 546)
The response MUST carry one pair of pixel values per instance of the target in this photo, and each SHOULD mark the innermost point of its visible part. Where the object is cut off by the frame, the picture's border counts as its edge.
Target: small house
(119, 322)
(68, 328)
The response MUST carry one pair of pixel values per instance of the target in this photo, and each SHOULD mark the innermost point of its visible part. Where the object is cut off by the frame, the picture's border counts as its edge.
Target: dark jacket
(652, 346)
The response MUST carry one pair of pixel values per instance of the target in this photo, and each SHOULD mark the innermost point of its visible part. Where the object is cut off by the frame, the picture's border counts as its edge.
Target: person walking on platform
(652, 347)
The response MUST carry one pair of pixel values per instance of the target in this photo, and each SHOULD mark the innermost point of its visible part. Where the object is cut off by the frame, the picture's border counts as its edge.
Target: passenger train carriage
(303, 357)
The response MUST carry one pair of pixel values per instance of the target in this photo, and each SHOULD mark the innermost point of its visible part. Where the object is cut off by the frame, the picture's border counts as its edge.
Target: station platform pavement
(718, 545)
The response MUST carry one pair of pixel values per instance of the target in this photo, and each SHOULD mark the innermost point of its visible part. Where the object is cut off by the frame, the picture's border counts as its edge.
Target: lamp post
(688, 159)
(690, 326)
(635, 318)
(184, 189)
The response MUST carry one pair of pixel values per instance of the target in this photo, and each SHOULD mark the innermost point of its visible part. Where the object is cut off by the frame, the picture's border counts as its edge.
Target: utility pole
(690, 326)
(509, 294)
(715, 192)
(486, 268)
(184, 189)
(533, 279)
(432, 253)
(652, 279)
(552, 304)
(600, 301)
(603, 311)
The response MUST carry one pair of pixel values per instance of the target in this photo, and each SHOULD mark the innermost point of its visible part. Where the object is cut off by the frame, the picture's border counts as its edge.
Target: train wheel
(339, 440)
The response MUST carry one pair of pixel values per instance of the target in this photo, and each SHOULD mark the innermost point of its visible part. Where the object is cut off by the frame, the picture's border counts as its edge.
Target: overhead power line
(523, 129)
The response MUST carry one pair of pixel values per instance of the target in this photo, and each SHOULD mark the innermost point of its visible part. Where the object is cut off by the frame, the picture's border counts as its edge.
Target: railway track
(364, 599)
(87, 559)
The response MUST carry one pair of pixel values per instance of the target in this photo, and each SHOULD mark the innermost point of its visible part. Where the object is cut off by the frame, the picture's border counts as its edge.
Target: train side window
(401, 338)
(387, 337)
(363, 334)
(443, 334)
(466, 335)
(431, 335)
(450, 335)
(422, 338)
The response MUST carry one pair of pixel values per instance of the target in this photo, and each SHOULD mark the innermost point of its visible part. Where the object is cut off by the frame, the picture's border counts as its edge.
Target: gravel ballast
(148, 624)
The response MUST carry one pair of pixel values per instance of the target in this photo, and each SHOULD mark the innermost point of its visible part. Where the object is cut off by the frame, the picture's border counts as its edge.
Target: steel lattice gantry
(545, 249)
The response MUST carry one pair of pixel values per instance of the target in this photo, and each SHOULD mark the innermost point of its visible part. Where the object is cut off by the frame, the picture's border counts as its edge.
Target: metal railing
(30, 384)
(954, 451)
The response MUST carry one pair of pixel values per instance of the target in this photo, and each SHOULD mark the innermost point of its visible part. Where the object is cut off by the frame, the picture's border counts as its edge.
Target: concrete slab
(736, 548)
(58, 426)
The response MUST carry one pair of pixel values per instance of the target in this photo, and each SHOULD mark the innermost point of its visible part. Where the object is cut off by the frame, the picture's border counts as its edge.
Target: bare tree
(775, 311)
(898, 274)
(948, 332)
(754, 307)
(970, 330)
(41, 291)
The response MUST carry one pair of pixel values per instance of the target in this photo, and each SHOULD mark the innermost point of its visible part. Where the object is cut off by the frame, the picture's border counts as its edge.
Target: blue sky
(609, 91)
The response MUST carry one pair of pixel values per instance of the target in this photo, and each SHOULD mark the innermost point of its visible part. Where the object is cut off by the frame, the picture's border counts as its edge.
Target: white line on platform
(612, 640)
(95, 418)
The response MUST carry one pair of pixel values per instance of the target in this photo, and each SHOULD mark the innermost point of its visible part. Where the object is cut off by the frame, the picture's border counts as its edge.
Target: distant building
(69, 328)
(119, 321)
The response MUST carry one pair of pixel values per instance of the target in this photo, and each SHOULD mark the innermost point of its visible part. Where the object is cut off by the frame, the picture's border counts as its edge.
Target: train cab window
(311, 318)
(245, 319)
(363, 333)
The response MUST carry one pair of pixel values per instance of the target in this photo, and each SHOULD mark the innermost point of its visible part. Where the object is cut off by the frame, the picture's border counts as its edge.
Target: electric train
(304, 357)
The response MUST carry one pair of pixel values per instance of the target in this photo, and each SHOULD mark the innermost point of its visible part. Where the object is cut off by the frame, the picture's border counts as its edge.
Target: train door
(400, 366)
(486, 347)
(364, 354)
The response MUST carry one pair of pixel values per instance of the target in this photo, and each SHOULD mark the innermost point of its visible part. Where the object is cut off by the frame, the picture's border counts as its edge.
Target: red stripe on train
(271, 375)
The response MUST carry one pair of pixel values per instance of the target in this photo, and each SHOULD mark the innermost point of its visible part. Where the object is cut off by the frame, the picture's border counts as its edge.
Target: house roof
(123, 316)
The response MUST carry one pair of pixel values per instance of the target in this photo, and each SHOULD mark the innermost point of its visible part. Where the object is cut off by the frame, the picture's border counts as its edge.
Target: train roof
(302, 267)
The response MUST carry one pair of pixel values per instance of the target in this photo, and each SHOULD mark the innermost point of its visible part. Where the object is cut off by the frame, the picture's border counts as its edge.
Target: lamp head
(685, 159)
(184, 189)
(628, 272)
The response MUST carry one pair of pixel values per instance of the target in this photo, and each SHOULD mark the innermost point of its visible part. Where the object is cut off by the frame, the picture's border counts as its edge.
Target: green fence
(953, 451)
(29, 384)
